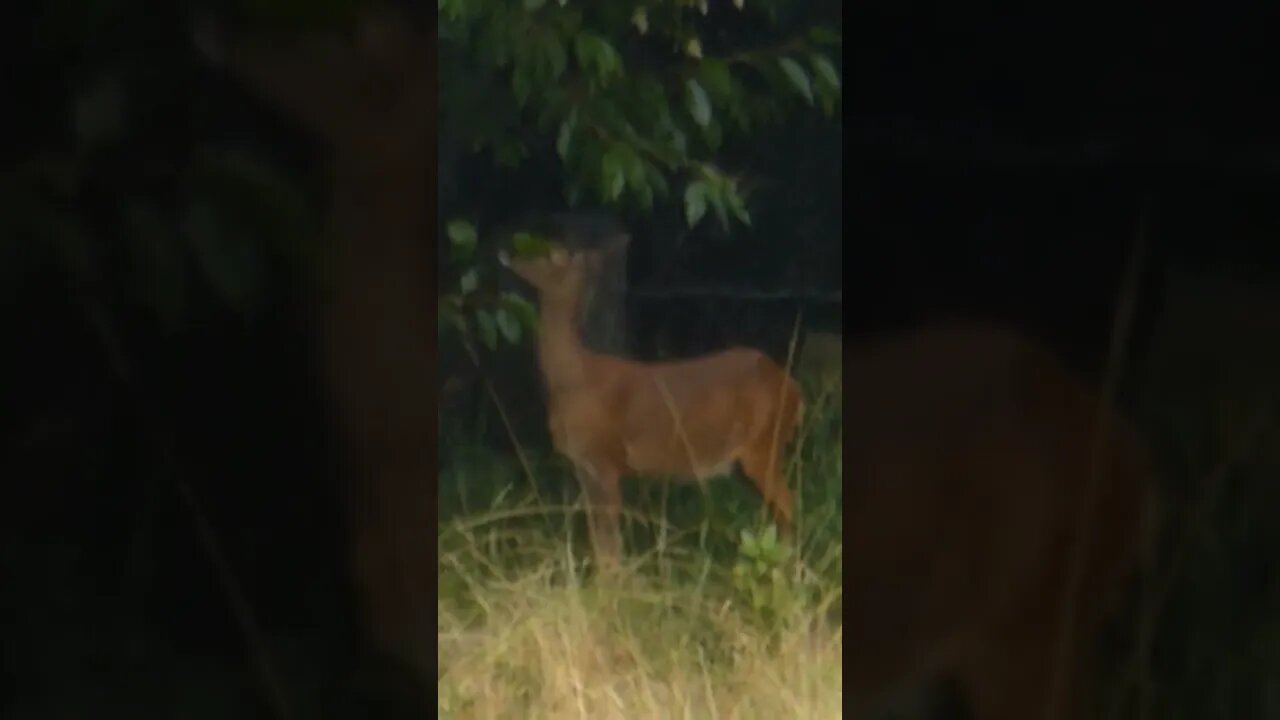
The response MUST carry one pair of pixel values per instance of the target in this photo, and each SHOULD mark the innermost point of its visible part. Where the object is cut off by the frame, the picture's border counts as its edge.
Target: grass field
(710, 618)
(523, 634)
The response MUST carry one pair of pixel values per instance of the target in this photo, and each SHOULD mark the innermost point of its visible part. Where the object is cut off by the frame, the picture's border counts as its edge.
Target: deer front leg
(601, 486)
(767, 476)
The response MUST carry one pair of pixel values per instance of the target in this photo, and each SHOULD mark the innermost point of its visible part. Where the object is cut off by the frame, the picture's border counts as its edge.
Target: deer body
(690, 419)
(968, 461)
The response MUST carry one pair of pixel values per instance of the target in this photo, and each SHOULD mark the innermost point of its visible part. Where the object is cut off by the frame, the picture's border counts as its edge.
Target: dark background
(1004, 161)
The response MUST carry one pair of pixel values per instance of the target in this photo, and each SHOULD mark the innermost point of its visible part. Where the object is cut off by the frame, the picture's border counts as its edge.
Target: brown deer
(691, 419)
(996, 510)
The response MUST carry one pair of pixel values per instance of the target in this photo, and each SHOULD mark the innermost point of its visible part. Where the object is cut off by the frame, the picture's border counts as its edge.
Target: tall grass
(708, 618)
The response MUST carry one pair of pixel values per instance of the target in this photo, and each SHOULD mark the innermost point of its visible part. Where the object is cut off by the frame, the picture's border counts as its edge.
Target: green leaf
(738, 112)
(613, 172)
(610, 61)
(698, 102)
(779, 588)
(462, 238)
(679, 141)
(584, 51)
(532, 5)
(521, 83)
(828, 105)
(798, 77)
(716, 78)
(657, 181)
(508, 325)
(736, 204)
(640, 19)
(493, 42)
(469, 281)
(529, 244)
(824, 36)
(712, 135)
(596, 55)
(486, 329)
(644, 193)
(522, 310)
(565, 137)
(555, 57)
(825, 71)
(769, 540)
(448, 315)
(747, 544)
(649, 96)
(716, 196)
(693, 48)
(695, 202)
(637, 178)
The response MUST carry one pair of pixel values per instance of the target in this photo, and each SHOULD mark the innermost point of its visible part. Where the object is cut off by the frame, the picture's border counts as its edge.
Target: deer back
(968, 458)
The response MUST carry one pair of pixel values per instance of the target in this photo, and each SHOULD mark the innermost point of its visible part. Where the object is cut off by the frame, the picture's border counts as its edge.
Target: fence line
(735, 293)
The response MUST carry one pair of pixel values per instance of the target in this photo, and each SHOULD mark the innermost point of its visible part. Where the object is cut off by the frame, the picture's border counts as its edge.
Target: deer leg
(602, 490)
(766, 475)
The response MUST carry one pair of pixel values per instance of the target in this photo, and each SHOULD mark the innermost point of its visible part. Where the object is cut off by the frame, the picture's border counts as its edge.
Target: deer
(997, 514)
(690, 420)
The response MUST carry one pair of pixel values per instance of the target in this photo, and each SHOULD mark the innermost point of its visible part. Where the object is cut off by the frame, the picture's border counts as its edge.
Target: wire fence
(736, 293)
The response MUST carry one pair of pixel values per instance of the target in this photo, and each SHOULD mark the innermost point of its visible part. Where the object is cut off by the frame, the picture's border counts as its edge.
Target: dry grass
(544, 643)
(527, 631)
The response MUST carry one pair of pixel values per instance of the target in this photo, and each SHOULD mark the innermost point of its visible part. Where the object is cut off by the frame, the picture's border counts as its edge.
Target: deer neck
(560, 350)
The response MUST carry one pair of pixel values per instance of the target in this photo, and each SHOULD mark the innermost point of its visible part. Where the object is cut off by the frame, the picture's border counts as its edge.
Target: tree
(634, 98)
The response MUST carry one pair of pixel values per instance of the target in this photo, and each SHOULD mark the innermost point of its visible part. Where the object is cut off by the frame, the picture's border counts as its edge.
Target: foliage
(760, 574)
(475, 314)
(634, 97)
(121, 201)
(627, 103)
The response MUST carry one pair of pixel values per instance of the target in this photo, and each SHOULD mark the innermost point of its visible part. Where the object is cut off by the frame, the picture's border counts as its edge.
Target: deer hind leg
(601, 486)
(765, 473)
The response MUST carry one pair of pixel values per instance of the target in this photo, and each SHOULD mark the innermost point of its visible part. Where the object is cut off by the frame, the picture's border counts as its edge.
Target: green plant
(474, 313)
(759, 574)
(633, 97)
